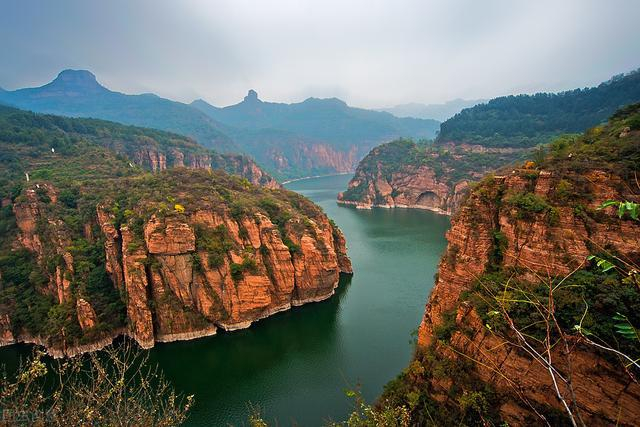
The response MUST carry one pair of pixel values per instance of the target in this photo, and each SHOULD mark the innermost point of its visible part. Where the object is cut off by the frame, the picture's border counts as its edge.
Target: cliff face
(241, 165)
(404, 174)
(289, 156)
(177, 272)
(515, 234)
(410, 187)
(309, 158)
(150, 155)
(534, 249)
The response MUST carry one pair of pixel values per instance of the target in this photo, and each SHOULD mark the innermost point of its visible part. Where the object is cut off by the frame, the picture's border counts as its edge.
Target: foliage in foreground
(116, 387)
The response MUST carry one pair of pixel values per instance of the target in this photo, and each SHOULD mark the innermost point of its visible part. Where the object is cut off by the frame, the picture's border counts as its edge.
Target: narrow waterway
(296, 365)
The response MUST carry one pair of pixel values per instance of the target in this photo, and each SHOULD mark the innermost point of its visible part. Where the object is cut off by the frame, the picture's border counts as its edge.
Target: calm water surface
(296, 365)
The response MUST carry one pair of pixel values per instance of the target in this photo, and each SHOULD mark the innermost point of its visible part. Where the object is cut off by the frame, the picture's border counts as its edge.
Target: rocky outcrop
(538, 247)
(549, 243)
(29, 221)
(169, 237)
(404, 174)
(27, 213)
(86, 314)
(410, 187)
(313, 157)
(134, 260)
(192, 296)
(183, 275)
(151, 157)
(605, 395)
(6, 334)
(243, 166)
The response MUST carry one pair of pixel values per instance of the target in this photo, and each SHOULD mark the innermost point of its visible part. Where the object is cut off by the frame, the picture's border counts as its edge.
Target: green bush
(247, 265)
(527, 205)
(215, 241)
(447, 326)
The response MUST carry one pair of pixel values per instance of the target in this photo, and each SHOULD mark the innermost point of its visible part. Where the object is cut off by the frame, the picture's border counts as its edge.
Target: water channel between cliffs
(296, 365)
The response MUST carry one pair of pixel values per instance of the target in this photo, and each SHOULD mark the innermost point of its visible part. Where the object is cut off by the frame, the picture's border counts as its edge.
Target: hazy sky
(370, 53)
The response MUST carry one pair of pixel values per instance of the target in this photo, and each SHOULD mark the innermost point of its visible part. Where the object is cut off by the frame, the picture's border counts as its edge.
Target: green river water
(296, 365)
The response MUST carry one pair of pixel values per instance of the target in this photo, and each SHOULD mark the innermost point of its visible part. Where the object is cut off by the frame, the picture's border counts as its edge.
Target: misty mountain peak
(77, 79)
(252, 96)
(76, 76)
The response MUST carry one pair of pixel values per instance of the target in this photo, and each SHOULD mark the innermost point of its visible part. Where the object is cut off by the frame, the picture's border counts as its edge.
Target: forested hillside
(528, 120)
(32, 141)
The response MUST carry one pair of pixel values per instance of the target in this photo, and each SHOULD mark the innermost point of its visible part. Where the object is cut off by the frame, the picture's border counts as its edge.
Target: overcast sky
(371, 53)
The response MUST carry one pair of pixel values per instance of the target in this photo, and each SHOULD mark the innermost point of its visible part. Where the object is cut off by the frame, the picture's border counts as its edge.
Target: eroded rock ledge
(409, 188)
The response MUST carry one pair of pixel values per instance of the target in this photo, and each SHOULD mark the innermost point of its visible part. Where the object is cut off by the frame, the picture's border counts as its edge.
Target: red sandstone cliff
(309, 157)
(403, 174)
(410, 187)
(534, 248)
(171, 284)
(156, 159)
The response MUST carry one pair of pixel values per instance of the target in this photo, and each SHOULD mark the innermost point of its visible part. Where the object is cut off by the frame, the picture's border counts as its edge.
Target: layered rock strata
(551, 244)
(414, 187)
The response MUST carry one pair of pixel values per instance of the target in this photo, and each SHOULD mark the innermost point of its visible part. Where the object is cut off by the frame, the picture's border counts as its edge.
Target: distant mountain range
(77, 93)
(311, 137)
(316, 136)
(440, 112)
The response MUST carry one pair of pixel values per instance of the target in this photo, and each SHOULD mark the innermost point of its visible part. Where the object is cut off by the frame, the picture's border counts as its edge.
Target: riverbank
(369, 206)
(316, 176)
